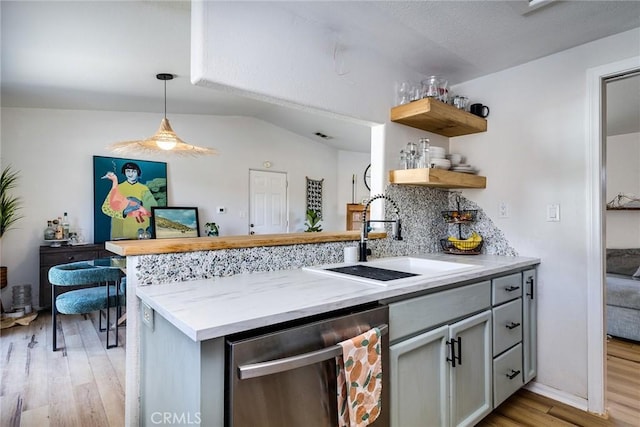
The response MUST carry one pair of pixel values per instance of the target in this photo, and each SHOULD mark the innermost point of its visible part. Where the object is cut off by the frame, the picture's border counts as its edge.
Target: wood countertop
(165, 246)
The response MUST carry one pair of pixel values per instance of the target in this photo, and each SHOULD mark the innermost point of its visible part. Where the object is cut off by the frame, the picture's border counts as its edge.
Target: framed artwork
(171, 222)
(314, 195)
(124, 193)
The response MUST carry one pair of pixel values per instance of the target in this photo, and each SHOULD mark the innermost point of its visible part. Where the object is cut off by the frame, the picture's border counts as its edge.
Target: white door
(267, 202)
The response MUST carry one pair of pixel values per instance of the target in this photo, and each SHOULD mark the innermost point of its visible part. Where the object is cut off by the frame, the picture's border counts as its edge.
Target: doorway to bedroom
(621, 238)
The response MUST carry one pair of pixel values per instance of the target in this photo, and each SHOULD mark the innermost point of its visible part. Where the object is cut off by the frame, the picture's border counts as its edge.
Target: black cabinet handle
(512, 325)
(453, 359)
(511, 375)
(452, 351)
(512, 288)
(530, 282)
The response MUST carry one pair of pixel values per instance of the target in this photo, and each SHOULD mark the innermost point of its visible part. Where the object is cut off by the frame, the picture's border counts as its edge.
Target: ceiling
(103, 55)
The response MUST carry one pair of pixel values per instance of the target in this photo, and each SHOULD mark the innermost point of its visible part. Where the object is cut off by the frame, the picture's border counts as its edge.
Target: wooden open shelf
(437, 117)
(436, 178)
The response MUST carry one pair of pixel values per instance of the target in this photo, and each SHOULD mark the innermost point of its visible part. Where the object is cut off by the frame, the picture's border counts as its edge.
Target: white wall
(53, 151)
(623, 176)
(283, 58)
(534, 154)
(351, 164)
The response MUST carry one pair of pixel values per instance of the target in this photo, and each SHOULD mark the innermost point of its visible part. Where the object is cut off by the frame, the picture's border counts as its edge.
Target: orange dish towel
(360, 380)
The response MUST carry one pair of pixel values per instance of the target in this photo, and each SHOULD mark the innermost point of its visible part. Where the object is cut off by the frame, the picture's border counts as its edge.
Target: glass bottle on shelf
(59, 233)
(49, 232)
(65, 226)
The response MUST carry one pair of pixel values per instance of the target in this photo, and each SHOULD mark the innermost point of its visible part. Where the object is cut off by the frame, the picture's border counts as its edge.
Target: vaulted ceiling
(104, 55)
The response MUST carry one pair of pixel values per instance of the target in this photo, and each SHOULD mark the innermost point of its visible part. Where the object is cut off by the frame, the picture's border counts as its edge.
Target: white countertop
(211, 308)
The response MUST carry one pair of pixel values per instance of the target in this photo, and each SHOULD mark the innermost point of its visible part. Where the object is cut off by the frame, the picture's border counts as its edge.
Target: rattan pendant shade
(165, 139)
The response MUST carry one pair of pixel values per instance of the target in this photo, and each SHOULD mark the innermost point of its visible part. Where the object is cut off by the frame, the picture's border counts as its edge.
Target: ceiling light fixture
(165, 140)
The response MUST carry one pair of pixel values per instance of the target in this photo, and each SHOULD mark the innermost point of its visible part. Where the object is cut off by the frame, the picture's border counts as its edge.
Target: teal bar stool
(104, 295)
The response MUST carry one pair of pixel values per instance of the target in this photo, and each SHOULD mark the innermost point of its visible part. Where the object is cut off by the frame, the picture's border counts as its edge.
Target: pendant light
(165, 140)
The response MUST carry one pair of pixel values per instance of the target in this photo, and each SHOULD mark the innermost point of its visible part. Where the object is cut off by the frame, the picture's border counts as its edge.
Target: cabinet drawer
(507, 374)
(506, 288)
(67, 257)
(421, 313)
(507, 326)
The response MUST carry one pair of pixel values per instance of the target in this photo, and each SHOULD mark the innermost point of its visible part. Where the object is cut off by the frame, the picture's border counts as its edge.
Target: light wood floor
(83, 383)
(623, 393)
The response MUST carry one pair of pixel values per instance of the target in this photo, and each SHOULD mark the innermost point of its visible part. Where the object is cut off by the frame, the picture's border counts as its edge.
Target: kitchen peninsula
(190, 306)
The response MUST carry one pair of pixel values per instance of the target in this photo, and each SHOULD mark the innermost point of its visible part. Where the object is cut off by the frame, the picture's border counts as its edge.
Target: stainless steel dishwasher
(287, 378)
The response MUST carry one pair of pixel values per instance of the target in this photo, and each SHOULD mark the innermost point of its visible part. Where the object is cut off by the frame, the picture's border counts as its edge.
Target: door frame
(596, 162)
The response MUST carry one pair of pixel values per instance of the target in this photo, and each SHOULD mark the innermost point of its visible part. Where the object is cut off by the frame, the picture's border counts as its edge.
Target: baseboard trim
(558, 395)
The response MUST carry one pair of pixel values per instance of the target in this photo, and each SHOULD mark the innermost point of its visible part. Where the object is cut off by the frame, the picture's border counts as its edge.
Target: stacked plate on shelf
(464, 168)
(436, 152)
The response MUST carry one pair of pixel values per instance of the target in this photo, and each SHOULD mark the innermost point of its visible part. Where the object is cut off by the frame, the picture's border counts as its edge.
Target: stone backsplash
(422, 228)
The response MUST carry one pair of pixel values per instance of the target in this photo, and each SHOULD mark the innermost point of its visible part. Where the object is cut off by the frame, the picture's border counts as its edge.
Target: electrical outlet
(221, 210)
(503, 210)
(147, 316)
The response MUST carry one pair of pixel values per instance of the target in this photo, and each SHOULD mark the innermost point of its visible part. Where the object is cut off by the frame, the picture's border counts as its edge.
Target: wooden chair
(103, 295)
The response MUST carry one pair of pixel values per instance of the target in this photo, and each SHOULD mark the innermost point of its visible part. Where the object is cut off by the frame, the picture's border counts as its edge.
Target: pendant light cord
(165, 99)
(164, 77)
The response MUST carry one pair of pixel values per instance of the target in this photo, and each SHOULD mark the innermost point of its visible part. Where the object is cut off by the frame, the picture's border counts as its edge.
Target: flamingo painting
(129, 206)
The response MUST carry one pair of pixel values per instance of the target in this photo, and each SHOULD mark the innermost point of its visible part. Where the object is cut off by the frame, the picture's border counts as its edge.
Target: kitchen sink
(394, 270)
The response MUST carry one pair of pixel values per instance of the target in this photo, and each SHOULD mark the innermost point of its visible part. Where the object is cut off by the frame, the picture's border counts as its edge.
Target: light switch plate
(147, 316)
(553, 213)
(503, 210)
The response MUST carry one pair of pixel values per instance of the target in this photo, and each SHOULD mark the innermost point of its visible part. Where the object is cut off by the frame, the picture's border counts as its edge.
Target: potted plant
(212, 229)
(9, 209)
(313, 221)
(9, 204)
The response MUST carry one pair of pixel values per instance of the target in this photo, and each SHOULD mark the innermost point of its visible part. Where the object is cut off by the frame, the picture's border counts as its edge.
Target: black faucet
(364, 235)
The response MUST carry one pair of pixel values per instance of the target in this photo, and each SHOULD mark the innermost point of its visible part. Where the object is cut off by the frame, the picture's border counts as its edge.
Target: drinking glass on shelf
(443, 91)
(404, 90)
(460, 102)
(423, 150)
(430, 87)
(403, 160)
(416, 91)
(412, 155)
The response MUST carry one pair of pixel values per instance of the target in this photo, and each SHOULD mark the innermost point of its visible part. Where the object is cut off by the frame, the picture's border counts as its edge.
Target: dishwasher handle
(269, 367)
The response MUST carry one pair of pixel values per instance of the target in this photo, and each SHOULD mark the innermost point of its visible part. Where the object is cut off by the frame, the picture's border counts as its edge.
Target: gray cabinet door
(419, 380)
(471, 378)
(529, 321)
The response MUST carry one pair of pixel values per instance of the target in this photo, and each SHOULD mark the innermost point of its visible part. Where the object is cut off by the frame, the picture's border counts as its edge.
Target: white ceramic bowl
(455, 158)
(441, 163)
